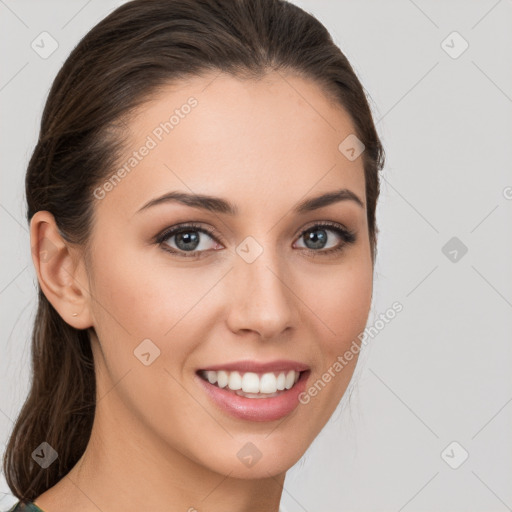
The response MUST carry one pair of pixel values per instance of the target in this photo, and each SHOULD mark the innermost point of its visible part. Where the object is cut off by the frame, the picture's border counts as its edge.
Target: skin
(158, 442)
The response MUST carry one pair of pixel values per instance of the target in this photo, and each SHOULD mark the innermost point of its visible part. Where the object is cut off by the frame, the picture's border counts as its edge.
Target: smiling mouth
(251, 384)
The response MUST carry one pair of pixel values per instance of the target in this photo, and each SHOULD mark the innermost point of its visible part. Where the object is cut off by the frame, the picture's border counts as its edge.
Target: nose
(261, 297)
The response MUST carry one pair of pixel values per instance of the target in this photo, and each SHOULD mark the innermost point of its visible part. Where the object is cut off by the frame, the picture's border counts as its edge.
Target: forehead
(257, 142)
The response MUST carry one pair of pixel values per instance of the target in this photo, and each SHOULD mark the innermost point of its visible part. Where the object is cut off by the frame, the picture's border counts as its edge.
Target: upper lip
(259, 366)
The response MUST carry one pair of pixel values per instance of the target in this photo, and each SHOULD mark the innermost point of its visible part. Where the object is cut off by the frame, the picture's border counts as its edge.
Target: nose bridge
(261, 297)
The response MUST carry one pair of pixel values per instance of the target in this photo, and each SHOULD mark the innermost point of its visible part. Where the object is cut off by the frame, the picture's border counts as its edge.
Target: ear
(61, 271)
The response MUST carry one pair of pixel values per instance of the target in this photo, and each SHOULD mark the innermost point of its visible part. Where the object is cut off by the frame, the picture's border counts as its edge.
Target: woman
(201, 203)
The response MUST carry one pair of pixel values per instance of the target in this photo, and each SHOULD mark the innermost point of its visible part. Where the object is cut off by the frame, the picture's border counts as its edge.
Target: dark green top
(25, 507)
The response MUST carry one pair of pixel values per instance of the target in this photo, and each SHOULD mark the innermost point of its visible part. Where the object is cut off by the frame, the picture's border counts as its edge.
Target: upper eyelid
(325, 223)
(191, 226)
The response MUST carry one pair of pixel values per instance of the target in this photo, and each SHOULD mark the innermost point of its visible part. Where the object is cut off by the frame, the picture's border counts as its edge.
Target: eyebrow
(219, 205)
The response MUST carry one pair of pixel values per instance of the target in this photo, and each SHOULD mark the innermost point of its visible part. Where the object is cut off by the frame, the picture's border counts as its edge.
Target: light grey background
(440, 371)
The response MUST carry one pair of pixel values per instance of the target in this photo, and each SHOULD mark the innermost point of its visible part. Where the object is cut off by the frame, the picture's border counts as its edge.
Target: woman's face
(247, 287)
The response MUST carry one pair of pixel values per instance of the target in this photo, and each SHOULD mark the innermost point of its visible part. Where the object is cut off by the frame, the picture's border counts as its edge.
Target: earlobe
(60, 271)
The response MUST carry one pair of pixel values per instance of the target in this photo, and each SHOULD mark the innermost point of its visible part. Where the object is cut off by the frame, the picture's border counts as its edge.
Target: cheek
(142, 297)
(351, 300)
(341, 300)
(123, 295)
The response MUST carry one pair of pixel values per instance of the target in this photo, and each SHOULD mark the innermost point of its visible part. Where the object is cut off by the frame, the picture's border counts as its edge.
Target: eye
(318, 241)
(188, 238)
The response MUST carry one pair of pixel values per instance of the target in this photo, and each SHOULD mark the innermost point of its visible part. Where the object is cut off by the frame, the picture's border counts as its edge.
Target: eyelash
(348, 237)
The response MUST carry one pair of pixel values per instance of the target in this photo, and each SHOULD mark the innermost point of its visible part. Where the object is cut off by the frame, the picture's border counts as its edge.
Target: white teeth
(222, 379)
(290, 379)
(268, 383)
(249, 382)
(281, 380)
(235, 381)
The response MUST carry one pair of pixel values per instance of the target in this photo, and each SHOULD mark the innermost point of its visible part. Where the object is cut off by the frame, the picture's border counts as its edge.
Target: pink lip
(256, 409)
(260, 367)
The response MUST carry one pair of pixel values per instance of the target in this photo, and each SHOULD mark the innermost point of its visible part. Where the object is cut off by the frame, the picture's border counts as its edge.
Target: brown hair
(140, 47)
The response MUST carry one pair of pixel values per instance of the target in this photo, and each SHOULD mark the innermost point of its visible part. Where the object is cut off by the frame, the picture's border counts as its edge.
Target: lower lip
(256, 409)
